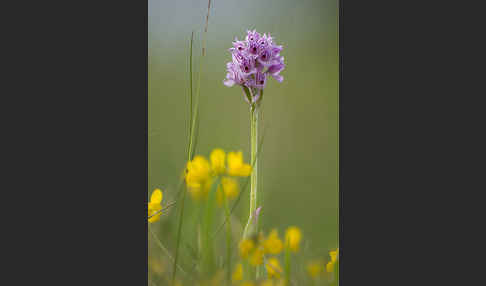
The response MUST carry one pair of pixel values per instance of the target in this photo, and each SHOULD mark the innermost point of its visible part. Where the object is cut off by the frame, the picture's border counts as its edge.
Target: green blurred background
(298, 169)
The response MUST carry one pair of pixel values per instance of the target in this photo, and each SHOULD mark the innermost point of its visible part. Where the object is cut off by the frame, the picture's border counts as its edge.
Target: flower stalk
(253, 61)
(251, 225)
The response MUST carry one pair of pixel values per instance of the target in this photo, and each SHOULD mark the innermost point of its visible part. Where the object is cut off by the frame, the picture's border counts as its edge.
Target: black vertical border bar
(146, 138)
(83, 164)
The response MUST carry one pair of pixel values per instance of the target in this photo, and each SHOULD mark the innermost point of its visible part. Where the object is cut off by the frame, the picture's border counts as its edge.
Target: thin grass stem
(190, 94)
(287, 263)
(228, 240)
(164, 249)
(164, 209)
(179, 229)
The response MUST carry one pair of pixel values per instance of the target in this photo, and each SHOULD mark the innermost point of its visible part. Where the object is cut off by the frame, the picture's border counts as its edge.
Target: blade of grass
(178, 236)
(228, 240)
(196, 109)
(189, 155)
(207, 245)
(196, 136)
(190, 93)
(164, 249)
(164, 209)
(191, 138)
(287, 264)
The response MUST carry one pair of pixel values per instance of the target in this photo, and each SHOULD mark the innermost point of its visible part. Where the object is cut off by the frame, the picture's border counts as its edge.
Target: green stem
(287, 264)
(208, 248)
(190, 96)
(254, 174)
(228, 240)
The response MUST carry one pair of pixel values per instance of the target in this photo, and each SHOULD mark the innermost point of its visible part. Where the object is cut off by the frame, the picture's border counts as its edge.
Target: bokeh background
(299, 161)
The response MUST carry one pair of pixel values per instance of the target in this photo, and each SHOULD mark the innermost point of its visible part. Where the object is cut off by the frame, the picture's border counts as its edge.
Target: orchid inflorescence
(253, 60)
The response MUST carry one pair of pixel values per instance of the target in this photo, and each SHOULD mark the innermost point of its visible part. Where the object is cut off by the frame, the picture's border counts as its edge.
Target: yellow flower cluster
(254, 249)
(315, 268)
(233, 165)
(200, 174)
(334, 256)
(155, 206)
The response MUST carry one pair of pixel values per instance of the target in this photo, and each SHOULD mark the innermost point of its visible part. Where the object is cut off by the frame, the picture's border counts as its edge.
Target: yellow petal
(333, 255)
(293, 236)
(153, 208)
(273, 268)
(256, 258)
(156, 196)
(273, 244)
(236, 167)
(217, 158)
(244, 170)
(198, 170)
(330, 267)
(238, 273)
(246, 246)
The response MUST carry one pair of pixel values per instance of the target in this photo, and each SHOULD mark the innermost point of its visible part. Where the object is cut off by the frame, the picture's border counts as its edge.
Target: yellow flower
(330, 264)
(238, 273)
(293, 237)
(314, 268)
(273, 244)
(247, 283)
(246, 246)
(154, 205)
(333, 255)
(330, 267)
(236, 167)
(198, 171)
(256, 258)
(230, 189)
(218, 164)
(198, 177)
(273, 268)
